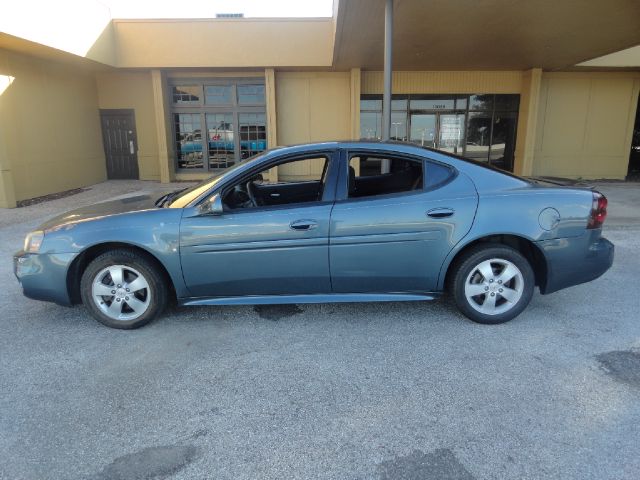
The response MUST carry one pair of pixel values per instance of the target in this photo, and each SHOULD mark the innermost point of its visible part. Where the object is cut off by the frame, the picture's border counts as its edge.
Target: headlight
(33, 241)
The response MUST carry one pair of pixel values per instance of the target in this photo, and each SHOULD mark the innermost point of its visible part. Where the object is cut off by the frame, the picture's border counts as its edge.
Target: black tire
(468, 263)
(156, 288)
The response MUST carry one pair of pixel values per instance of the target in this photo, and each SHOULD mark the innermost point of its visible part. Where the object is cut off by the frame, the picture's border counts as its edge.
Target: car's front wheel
(123, 289)
(492, 283)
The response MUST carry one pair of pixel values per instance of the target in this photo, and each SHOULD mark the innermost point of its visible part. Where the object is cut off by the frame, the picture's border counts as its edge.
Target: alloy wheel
(121, 292)
(494, 286)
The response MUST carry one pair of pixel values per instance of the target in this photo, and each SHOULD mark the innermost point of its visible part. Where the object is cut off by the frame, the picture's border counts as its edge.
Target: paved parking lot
(364, 391)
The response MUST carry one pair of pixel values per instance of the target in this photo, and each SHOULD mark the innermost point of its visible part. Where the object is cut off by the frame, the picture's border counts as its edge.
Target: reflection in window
(253, 133)
(503, 140)
(188, 140)
(481, 102)
(185, 94)
(218, 94)
(371, 125)
(478, 136)
(399, 126)
(220, 139)
(251, 94)
(481, 127)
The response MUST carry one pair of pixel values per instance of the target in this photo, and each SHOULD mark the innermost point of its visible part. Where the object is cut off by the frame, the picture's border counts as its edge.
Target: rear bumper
(44, 276)
(572, 261)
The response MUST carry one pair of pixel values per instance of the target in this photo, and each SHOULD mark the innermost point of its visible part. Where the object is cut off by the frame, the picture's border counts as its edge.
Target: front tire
(492, 283)
(123, 289)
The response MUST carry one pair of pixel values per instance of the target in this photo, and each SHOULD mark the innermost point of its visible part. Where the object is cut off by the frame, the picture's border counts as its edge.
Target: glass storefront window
(253, 133)
(478, 136)
(370, 104)
(188, 140)
(509, 103)
(399, 126)
(481, 127)
(371, 125)
(481, 102)
(503, 140)
(218, 122)
(221, 145)
(185, 94)
(251, 94)
(218, 94)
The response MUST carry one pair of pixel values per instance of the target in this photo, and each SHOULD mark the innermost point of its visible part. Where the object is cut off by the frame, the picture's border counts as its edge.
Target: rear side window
(373, 175)
(437, 174)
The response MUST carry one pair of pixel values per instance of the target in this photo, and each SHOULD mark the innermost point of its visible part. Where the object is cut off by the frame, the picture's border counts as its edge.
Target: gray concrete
(381, 391)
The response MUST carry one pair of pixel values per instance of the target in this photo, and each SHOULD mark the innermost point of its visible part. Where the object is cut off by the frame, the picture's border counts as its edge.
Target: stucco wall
(585, 121)
(135, 91)
(311, 107)
(50, 128)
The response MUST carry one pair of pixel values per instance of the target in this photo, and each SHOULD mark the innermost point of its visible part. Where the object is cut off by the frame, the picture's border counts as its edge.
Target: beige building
(538, 88)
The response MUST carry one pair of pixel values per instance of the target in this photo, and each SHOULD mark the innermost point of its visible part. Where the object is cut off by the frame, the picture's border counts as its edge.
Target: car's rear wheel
(492, 283)
(123, 289)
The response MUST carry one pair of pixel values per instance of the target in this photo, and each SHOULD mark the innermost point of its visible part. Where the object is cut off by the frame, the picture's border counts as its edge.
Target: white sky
(209, 8)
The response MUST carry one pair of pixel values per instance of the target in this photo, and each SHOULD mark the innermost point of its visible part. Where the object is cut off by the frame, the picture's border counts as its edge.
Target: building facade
(173, 100)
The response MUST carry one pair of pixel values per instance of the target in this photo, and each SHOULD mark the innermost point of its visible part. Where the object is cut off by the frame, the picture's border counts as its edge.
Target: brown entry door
(120, 143)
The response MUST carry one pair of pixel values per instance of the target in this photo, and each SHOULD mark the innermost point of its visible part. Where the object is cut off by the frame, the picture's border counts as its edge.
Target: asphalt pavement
(339, 391)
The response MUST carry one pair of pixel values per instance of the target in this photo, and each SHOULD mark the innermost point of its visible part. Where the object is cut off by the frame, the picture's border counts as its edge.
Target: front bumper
(44, 276)
(572, 261)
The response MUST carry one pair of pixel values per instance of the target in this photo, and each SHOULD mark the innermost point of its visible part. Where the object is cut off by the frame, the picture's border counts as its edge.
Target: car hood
(101, 210)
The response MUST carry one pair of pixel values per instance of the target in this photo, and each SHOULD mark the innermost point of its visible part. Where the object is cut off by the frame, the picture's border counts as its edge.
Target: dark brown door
(120, 143)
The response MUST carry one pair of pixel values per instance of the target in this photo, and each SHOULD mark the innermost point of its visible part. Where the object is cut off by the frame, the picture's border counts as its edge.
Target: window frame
(235, 108)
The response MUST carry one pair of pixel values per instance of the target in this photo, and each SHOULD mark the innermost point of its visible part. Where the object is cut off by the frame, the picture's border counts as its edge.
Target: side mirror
(213, 206)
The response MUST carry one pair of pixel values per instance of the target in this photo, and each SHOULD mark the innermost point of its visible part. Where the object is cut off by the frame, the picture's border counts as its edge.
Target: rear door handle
(440, 212)
(303, 225)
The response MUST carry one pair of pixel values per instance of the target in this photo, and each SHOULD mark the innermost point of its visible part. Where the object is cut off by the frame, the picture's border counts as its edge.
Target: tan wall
(311, 107)
(585, 121)
(50, 126)
(224, 43)
(134, 90)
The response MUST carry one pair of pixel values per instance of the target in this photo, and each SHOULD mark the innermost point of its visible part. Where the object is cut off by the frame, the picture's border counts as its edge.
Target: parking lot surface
(339, 391)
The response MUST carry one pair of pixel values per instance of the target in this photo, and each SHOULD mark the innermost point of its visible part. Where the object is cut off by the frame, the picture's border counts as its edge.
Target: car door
(395, 220)
(261, 250)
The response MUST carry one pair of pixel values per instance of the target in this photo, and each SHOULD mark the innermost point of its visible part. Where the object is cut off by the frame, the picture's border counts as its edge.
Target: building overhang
(488, 35)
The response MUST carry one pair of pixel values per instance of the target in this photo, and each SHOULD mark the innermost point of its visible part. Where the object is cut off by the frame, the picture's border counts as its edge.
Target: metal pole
(388, 50)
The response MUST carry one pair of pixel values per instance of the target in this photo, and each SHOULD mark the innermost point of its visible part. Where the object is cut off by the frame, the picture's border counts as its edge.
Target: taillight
(598, 211)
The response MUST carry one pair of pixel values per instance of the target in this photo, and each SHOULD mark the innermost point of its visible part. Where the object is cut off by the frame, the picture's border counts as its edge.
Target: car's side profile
(343, 222)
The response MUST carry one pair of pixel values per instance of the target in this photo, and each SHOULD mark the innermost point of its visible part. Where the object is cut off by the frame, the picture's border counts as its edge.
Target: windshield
(185, 197)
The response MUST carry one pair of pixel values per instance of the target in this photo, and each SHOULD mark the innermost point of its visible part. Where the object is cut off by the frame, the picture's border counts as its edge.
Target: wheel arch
(80, 263)
(524, 245)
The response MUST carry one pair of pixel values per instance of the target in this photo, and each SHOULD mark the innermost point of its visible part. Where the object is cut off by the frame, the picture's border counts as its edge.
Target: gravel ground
(341, 391)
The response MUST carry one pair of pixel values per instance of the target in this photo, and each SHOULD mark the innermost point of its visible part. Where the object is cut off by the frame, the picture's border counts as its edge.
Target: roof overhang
(487, 35)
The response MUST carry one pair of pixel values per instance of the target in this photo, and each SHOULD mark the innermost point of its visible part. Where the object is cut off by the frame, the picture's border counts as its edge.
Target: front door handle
(440, 212)
(303, 225)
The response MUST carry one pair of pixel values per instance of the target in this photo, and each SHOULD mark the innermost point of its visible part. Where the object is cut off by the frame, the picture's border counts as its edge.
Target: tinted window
(372, 175)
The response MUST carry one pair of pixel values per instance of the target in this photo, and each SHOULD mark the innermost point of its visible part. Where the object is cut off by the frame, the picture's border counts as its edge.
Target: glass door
(450, 132)
(423, 129)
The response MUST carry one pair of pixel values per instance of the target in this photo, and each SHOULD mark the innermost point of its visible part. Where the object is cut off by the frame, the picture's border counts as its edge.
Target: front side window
(299, 181)
(229, 117)
(373, 175)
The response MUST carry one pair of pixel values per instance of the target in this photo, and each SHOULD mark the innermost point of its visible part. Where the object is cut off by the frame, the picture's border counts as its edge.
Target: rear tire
(123, 289)
(492, 283)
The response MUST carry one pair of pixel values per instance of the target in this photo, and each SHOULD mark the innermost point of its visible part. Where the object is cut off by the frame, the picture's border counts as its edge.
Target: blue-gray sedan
(335, 222)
